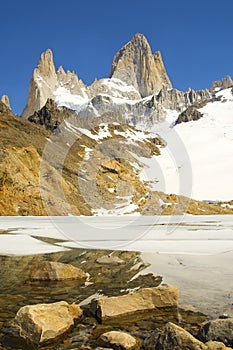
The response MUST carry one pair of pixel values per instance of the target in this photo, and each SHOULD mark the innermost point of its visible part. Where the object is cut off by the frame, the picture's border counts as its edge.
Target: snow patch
(64, 98)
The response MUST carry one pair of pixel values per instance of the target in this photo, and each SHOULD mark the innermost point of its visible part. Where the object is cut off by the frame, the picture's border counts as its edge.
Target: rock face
(219, 330)
(118, 340)
(178, 100)
(46, 82)
(143, 112)
(175, 338)
(135, 64)
(20, 184)
(146, 299)
(53, 271)
(44, 322)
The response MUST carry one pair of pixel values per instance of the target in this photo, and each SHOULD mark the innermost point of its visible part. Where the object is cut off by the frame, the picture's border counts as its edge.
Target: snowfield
(208, 143)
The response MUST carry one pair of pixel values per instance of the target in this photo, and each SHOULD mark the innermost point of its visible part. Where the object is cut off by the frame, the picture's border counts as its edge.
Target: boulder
(145, 299)
(173, 337)
(54, 271)
(219, 330)
(119, 340)
(44, 322)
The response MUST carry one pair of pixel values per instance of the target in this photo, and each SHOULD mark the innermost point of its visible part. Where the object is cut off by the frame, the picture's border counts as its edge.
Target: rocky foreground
(80, 299)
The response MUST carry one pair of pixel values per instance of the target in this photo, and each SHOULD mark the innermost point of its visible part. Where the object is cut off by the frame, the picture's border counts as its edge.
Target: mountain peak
(45, 83)
(135, 64)
(60, 71)
(42, 84)
(46, 65)
(138, 37)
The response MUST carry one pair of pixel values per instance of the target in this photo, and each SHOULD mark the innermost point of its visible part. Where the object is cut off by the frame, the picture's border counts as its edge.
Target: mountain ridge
(138, 88)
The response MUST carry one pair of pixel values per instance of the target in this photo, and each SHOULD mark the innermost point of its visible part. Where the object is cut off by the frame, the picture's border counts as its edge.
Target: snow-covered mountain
(130, 142)
(138, 88)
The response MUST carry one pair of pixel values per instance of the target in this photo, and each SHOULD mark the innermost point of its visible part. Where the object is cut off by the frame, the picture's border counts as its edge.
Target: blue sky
(195, 38)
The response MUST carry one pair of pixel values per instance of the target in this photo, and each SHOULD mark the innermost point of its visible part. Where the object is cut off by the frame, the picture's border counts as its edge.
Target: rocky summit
(107, 148)
(137, 66)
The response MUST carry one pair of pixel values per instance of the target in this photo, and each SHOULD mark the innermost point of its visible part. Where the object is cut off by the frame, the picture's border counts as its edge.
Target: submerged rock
(110, 260)
(53, 271)
(145, 299)
(44, 322)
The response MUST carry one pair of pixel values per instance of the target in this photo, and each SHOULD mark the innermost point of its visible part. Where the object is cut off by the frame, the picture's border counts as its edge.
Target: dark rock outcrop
(190, 114)
(219, 330)
(50, 115)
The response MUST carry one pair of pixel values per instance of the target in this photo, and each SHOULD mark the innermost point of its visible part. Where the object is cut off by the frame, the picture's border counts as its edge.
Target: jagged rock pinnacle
(45, 81)
(135, 64)
(42, 84)
(46, 65)
(6, 101)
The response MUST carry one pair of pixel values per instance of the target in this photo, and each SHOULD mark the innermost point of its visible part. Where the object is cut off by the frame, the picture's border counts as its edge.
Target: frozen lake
(177, 234)
(193, 252)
